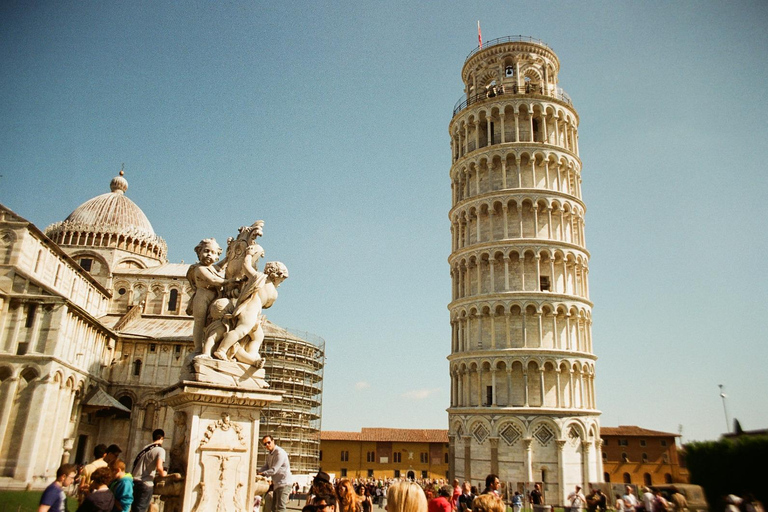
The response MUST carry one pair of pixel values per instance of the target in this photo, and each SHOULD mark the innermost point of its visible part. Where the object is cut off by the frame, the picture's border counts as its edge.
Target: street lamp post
(725, 409)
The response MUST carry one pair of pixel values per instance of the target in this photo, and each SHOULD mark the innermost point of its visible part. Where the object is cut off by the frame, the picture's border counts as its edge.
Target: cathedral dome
(112, 211)
(110, 220)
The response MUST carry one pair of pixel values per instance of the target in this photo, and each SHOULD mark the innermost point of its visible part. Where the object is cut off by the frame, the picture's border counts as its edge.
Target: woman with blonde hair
(488, 503)
(406, 497)
(348, 499)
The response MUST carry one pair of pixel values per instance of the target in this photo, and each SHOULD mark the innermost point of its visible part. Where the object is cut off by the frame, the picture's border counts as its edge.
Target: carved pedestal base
(221, 425)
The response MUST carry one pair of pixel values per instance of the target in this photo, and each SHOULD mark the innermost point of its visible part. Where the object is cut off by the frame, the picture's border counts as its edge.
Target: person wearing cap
(648, 498)
(443, 501)
(630, 500)
(576, 499)
(321, 486)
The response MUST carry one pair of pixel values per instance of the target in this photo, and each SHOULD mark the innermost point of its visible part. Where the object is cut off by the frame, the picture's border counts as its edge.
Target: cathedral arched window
(173, 300)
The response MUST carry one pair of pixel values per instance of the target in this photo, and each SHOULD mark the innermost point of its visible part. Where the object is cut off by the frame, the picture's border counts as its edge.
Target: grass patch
(26, 501)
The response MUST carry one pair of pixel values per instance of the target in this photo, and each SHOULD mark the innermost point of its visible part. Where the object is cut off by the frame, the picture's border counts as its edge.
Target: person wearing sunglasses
(279, 468)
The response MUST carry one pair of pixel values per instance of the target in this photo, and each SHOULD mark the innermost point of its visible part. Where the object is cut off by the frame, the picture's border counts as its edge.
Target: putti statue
(229, 297)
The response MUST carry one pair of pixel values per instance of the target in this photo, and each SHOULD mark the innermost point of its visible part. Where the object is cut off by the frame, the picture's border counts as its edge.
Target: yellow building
(385, 453)
(641, 456)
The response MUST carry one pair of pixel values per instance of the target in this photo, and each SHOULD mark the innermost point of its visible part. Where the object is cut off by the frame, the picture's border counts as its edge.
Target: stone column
(561, 465)
(467, 458)
(503, 128)
(517, 126)
(479, 386)
(525, 391)
(493, 390)
(222, 435)
(528, 462)
(505, 211)
(6, 404)
(33, 430)
(494, 455)
(451, 456)
(586, 447)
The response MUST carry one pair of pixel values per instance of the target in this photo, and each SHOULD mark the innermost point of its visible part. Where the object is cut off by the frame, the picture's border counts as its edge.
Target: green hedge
(729, 466)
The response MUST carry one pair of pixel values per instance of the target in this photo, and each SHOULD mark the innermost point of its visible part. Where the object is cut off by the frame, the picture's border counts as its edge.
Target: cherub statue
(206, 281)
(259, 293)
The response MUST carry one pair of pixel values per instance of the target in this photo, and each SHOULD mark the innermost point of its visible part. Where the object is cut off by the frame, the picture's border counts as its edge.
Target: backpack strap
(142, 452)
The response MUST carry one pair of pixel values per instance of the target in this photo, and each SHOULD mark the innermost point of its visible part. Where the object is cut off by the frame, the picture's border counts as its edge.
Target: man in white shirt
(576, 499)
(648, 498)
(279, 468)
(148, 462)
(630, 500)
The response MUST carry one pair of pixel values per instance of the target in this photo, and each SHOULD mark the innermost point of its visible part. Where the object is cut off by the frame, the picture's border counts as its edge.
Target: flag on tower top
(479, 35)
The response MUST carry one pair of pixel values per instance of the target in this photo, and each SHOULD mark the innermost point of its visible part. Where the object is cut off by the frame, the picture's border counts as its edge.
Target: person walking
(147, 463)
(53, 498)
(279, 468)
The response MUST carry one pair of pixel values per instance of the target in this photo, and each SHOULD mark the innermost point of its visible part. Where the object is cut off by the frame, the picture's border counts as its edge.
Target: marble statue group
(229, 296)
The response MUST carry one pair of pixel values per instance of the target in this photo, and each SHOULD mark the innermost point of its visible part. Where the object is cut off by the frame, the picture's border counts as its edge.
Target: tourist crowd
(400, 495)
(103, 485)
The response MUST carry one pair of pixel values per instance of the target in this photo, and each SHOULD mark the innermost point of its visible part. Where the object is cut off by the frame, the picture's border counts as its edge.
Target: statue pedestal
(217, 439)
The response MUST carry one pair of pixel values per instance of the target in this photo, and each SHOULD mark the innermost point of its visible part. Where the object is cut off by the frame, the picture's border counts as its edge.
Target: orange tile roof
(632, 430)
(399, 435)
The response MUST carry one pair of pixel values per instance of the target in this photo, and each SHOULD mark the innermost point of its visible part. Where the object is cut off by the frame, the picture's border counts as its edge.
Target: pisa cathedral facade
(521, 365)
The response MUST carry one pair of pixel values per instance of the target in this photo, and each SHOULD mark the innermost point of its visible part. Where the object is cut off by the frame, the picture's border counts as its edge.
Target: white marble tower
(522, 367)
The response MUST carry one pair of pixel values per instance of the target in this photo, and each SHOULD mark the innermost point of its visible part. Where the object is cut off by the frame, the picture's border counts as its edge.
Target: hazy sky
(329, 120)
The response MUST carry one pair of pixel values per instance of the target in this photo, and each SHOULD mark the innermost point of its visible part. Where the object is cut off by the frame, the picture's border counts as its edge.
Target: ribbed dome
(110, 220)
(112, 211)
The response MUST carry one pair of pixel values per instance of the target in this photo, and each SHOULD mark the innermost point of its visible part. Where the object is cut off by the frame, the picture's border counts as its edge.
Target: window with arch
(645, 457)
(627, 478)
(173, 300)
(667, 478)
(624, 457)
(647, 479)
(607, 478)
(127, 402)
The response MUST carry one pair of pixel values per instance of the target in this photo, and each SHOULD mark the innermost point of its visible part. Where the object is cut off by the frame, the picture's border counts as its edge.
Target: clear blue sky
(329, 120)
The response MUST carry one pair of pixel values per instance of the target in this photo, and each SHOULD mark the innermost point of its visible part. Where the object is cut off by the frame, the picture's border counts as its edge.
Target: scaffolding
(294, 363)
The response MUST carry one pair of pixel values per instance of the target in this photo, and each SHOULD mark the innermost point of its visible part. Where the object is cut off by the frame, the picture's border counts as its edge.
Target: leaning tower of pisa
(522, 367)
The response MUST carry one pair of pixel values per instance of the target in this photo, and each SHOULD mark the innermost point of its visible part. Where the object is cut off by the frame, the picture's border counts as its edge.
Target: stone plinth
(217, 438)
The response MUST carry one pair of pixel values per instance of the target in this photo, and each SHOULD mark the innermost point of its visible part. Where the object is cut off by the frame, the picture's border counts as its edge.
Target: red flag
(479, 35)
